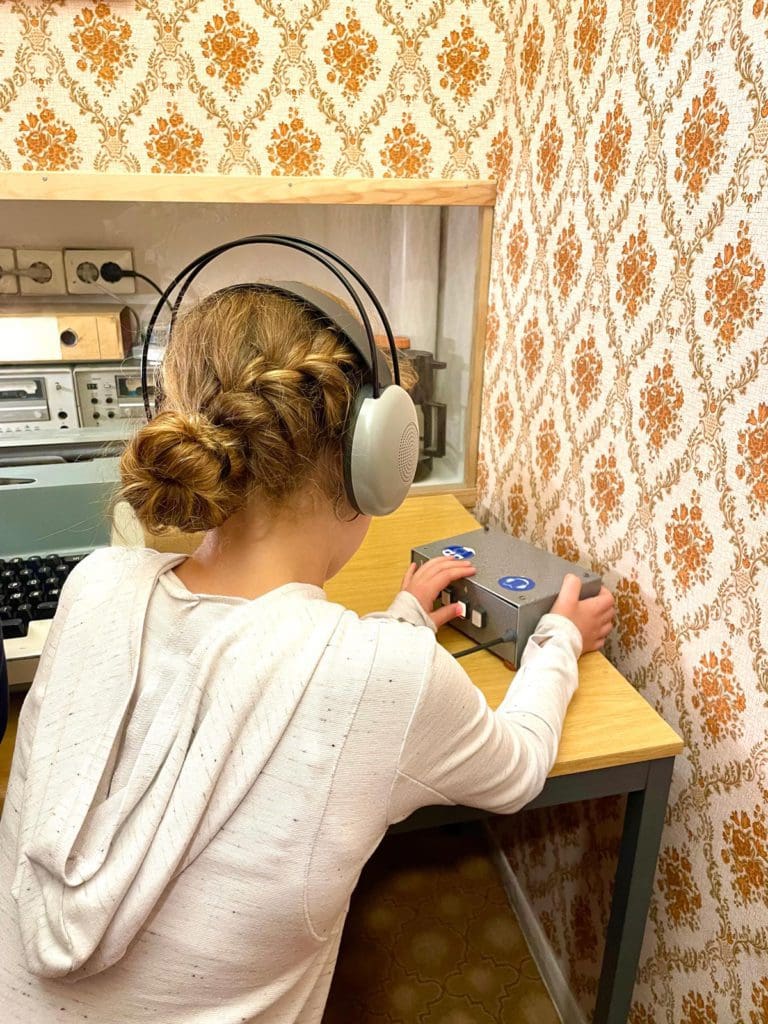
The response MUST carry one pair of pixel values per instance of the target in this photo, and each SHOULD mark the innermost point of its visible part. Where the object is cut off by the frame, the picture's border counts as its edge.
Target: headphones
(381, 443)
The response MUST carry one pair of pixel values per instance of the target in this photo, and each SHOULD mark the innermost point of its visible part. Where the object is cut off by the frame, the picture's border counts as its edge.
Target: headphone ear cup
(381, 451)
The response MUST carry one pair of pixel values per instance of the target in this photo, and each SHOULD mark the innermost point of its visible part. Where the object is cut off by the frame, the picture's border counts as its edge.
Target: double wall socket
(52, 266)
(83, 270)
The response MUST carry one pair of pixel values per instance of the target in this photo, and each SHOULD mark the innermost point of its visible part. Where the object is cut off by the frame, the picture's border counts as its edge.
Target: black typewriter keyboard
(30, 588)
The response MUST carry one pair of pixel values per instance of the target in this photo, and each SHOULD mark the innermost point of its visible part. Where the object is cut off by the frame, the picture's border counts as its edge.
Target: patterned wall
(392, 88)
(626, 413)
(626, 425)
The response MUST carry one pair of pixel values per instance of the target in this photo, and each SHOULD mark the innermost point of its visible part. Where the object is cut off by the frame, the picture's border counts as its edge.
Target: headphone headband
(381, 443)
(320, 254)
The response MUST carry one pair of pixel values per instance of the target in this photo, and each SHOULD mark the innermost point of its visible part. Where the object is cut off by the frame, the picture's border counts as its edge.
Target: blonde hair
(256, 397)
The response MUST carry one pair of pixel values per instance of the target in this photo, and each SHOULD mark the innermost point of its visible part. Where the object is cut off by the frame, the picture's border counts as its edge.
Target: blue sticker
(459, 552)
(516, 583)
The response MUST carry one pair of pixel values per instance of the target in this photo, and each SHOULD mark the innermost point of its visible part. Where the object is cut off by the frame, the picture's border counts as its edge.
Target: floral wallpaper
(264, 87)
(626, 391)
(626, 426)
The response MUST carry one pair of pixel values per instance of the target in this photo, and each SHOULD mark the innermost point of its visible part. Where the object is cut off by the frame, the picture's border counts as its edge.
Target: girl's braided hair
(256, 400)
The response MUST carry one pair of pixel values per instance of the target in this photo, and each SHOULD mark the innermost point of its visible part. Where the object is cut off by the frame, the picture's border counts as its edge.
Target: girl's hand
(593, 616)
(428, 581)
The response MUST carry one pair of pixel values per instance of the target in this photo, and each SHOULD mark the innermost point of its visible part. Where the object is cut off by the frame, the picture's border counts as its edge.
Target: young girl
(211, 750)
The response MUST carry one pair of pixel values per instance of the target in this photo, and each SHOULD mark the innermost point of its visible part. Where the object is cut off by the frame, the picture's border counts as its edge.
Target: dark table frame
(646, 785)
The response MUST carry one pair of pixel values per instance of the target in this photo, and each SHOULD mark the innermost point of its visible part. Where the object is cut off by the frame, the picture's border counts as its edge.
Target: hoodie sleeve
(405, 608)
(458, 751)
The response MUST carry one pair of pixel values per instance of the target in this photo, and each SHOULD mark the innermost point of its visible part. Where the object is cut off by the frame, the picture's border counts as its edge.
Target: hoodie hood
(93, 863)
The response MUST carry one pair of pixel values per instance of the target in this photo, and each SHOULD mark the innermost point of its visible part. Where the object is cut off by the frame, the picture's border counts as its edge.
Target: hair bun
(183, 472)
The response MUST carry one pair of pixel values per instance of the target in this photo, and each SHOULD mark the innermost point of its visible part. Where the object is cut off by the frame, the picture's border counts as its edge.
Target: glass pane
(420, 260)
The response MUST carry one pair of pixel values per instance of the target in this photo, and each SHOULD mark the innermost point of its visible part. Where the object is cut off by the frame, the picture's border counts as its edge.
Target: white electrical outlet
(8, 285)
(83, 270)
(51, 261)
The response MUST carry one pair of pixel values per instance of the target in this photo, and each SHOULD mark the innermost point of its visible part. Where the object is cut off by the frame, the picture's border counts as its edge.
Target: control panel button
(478, 618)
(462, 609)
(96, 415)
(445, 597)
(62, 414)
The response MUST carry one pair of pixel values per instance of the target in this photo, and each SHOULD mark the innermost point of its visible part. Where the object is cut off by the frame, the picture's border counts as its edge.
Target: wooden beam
(205, 188)
(482, 281)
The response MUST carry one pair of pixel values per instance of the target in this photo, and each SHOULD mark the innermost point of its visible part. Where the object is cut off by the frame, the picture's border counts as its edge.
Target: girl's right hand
(593, 616)
(428, 581)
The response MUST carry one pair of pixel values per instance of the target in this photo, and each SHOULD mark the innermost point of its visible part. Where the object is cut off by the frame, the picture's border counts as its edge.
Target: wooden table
(613, 741)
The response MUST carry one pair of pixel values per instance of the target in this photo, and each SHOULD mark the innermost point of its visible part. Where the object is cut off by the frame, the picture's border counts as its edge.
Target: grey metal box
(515, 584)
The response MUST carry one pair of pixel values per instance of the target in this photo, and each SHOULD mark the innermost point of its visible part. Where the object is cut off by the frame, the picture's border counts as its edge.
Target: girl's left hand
(428, 581)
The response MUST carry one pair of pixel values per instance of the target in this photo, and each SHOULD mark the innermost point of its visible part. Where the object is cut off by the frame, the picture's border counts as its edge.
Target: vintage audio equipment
(108, 393)
(65, 334)
(515, 584)
(36, 398)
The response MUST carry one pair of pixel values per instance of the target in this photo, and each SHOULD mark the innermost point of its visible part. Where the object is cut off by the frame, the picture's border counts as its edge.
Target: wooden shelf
(206, 188)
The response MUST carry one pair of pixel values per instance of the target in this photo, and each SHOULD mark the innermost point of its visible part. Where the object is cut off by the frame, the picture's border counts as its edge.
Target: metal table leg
(640, 841)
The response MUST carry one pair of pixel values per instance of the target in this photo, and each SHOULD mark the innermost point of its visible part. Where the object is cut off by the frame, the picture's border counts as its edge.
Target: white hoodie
(199, 780)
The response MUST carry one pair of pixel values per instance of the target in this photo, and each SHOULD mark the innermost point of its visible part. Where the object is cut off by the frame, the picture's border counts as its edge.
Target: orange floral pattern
(491, 330)
(533, 346)
(550, 155)
(517, 248)
(174, 145)
(229, 46)
(351, 55)
(589, 36)
(565, 545)
(635, 271)
(517, 510)
(46, 142)
(718, 696)
(463, 61)
(745, 838)
(585, 371)
(406, 152)
(530, 57)
(503, 416)
(631, 614)
(753, 448)
(759, 1015)
(102, 39)
(661, 401)
(689, 545)
(667, 19)
(567, 259)
(699, 1009)
(547, 448)
(499, 156)
(607, 488)
(612, 148)
(294, 149)
(678, 886)
(701, 144)
(733, 289)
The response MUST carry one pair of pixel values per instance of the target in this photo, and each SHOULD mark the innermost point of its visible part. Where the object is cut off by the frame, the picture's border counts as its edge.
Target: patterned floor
(430, 939)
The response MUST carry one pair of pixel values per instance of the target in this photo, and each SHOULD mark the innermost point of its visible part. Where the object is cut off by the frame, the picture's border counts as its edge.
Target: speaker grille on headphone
(408, 453)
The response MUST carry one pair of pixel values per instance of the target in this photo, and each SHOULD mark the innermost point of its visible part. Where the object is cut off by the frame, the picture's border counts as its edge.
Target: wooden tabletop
(608, 722)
